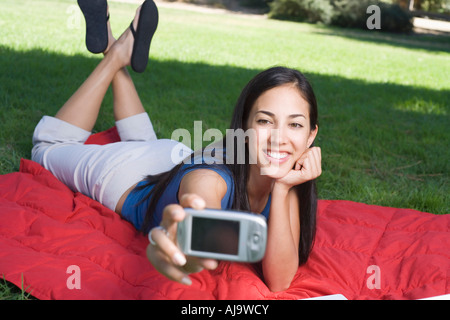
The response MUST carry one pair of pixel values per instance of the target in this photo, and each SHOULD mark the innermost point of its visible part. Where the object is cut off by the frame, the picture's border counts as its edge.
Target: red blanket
(63, 245)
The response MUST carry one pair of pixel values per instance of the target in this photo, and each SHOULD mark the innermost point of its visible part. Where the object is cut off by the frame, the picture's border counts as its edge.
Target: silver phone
(223, 235)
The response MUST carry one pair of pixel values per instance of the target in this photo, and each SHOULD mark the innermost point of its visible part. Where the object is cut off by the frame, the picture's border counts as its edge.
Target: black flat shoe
(147, 24)
(96, 15)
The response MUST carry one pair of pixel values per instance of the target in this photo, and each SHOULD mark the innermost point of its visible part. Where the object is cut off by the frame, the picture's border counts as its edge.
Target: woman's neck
(258, 189)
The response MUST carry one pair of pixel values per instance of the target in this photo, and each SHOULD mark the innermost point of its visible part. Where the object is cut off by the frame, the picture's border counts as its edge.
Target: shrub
(343, 13)
(394, 18)
(302, 10)
(350, 13)
(263, 4)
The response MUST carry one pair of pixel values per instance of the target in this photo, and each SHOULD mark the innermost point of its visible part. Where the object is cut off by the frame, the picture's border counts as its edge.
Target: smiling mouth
(277, 155)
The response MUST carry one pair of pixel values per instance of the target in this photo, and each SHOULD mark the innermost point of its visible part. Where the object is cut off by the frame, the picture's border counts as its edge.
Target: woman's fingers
(314, 161)
(172, 214)
(163, 251)
(197, 264)
(161, 263)
(313, 154)
(310, 164)
(192, 201)
(164, 242)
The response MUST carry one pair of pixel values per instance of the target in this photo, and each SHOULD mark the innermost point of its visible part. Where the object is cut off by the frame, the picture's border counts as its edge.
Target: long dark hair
(306, 192)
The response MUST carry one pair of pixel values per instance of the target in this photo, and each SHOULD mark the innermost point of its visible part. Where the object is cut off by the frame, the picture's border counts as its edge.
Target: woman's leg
(126, 99)
(59, 145)
(84, 105)
(132, 121)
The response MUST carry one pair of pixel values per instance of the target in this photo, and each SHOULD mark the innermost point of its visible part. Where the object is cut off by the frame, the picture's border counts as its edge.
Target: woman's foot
(122, 48)
(111, 38)
(132, 47)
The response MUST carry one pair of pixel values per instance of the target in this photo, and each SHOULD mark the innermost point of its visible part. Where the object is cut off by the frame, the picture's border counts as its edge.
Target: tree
(425, 5)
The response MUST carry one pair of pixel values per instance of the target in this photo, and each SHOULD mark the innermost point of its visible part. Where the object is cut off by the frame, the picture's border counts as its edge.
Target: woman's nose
(278, 136)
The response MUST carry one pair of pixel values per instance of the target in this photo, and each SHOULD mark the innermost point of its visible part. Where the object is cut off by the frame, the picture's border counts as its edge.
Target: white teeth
(277, 155)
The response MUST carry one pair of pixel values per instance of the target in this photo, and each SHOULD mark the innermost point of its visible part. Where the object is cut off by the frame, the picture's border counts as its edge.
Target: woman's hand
(307, 167)
(165, 255)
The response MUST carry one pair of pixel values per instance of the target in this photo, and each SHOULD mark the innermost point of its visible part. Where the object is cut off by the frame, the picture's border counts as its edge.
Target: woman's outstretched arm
(199, 189)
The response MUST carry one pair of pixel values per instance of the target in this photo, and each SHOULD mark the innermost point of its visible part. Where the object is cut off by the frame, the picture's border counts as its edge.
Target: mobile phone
(223, 235)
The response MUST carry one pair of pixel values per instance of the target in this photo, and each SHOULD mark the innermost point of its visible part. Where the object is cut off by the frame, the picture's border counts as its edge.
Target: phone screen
(215, 235)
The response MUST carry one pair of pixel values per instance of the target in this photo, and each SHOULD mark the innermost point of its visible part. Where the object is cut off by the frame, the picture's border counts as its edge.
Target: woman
(138, 179)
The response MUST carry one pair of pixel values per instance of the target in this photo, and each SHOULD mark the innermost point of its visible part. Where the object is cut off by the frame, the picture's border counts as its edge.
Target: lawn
(383, 98)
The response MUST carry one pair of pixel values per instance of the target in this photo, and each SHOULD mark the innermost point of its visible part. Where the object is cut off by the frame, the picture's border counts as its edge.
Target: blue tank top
(134, 208)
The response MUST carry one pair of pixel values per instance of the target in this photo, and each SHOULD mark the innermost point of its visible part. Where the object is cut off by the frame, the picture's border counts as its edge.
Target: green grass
(383, 98)
(10, 292)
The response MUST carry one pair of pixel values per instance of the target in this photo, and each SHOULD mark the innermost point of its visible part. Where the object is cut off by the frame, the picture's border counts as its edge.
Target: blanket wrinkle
(370, 258)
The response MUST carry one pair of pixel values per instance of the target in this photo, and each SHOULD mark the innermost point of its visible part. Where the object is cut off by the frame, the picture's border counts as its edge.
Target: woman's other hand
(307, 167)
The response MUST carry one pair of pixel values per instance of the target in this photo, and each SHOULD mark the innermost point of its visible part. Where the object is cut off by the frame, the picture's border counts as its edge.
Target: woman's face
(280, 121)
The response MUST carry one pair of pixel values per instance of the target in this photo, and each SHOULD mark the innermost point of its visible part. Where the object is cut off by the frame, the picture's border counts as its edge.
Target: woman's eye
(296, 125)
(263, 121)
